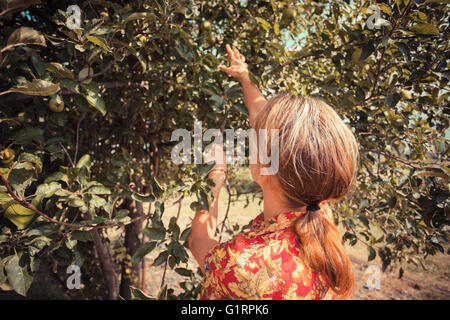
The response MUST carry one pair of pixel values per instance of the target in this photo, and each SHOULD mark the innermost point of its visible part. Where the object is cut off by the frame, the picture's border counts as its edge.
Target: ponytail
(322, 250)
(318, 159)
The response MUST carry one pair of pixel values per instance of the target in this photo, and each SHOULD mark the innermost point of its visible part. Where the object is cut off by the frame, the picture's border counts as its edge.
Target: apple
(398, 121)
(290, 13)
(7, 156)
(56, 103)
(206, 27)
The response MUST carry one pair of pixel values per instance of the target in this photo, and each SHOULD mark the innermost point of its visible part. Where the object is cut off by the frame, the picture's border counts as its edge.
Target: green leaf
(18, 275)
(38, 64)
(21, 178)
(81, 235)
(25, 35)
(29, 157)
(99, 42)
(76, 202)
(372, 253)
(99, 190)
(161, 258)
(139, 15)
(57, 176)
(5, 198)
(122, 215)
(185, 234)
(94, 99)
(391, 100)
(174, 228)
(240, 108)
(366, 52)
(155, 233)
(425, 29)
(157, 189)
(276, 28)
(137, 294)
(162, 294)
(178, 251)
(263, 23)
(45, 191)
(143, 250)
(404, 50)
(59, 71)
(37, 87)
(183, 272)
(97, 202)
(156, 218)
(203, 199)
(3, 277)
(142, 198)
(385, 8)
(84, 162)
(27, 135)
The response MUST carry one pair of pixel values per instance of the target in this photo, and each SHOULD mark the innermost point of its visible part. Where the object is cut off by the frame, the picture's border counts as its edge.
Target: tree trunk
(133, 232)
(132, 243)
(106, 263)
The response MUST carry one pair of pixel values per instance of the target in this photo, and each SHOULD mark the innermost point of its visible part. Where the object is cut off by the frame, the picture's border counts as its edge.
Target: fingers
(230, 52)
(238, 55)
(225, 69)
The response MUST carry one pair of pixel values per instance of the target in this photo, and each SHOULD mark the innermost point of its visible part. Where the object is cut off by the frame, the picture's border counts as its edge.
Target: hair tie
(313, 207)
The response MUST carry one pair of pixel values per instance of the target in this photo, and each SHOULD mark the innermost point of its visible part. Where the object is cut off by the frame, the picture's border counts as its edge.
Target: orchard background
(87, 112)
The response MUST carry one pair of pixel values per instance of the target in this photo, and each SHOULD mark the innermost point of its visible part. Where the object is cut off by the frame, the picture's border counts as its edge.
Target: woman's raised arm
(253, 98)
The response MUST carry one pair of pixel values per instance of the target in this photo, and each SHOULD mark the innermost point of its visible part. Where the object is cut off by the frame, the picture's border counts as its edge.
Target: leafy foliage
(132, 73)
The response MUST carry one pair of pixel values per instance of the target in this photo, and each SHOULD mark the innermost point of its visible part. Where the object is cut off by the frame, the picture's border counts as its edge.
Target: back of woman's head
(318, 159)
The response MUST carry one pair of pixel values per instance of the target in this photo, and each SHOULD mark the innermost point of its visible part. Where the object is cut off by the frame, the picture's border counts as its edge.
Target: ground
(416, 283)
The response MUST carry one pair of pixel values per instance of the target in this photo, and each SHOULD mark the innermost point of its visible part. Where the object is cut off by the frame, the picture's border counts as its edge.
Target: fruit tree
(89, 99)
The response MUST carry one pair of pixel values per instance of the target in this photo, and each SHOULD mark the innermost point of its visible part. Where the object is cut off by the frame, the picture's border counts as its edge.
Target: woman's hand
(219, 171)
(238, 68)
(253, 98)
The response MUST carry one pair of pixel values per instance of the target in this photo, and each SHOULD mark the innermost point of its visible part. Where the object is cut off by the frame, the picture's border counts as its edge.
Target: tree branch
(70, 225)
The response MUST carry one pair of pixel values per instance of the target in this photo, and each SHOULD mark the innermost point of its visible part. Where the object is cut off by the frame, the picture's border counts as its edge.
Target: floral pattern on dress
(263, 263)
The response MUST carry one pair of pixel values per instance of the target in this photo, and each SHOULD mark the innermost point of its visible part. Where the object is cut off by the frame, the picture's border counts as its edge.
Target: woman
(293, 249)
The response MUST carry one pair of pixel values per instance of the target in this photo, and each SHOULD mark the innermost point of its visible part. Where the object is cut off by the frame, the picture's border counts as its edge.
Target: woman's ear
(265, 181)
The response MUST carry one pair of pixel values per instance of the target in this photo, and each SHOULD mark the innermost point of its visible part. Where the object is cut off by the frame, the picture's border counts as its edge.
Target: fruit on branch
(142, 38)
(7, 156)
(289, 15)
(206, 27)
(56, 103)
(398, 121)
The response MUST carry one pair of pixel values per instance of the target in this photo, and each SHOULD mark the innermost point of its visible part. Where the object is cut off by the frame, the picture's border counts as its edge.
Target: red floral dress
(263, 263)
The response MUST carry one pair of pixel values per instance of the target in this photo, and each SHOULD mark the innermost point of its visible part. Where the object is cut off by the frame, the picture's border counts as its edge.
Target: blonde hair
(318, 159)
